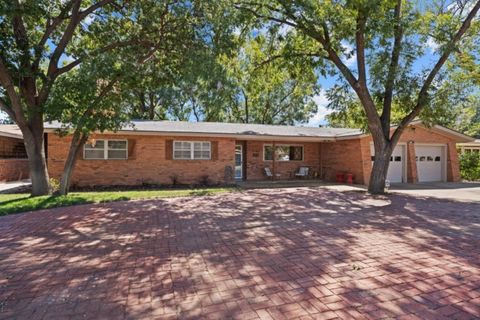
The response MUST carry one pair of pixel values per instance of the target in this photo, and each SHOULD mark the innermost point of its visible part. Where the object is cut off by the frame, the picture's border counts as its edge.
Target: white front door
(430, 160)
(396, 167)
(238, 161)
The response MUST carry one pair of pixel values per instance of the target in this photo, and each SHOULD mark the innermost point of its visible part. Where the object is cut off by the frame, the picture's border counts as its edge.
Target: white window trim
(105, 150)
(284, 145)
(192, 150)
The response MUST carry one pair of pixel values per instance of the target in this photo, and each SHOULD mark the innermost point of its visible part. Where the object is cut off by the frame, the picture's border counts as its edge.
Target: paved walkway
(13, 186)
(305, 253)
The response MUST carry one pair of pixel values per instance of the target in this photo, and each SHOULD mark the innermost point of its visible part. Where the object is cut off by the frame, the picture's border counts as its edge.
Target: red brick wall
(12, 148)
(13, 169)
(148, 163)
(419, 134)
(255, 164)
(343, 156)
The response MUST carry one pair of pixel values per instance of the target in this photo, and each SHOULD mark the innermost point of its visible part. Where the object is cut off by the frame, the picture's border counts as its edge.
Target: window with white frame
(283, 153)
(106, 149)
(192, 150)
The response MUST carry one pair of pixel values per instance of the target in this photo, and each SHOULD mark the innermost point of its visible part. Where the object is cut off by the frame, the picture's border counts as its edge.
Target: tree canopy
(387, 40)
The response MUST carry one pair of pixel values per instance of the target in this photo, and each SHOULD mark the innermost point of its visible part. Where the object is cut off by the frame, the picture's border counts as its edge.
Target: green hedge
(470, 166)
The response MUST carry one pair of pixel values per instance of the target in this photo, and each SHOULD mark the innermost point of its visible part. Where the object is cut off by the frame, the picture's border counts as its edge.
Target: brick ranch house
(13, 157)
(163, 152)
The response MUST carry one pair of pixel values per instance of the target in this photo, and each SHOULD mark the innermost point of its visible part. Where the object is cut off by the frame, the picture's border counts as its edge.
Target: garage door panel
(430, 160)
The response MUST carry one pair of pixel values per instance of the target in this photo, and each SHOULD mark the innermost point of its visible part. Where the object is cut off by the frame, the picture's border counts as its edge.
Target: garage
(396, 169)
(430, 163)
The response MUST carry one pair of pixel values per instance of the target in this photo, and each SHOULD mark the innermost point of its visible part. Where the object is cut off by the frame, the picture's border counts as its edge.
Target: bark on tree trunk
(34, 145)
(78, 141)
(379, 170)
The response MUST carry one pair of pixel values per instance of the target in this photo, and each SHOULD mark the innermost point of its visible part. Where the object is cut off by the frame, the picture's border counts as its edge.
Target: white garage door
(397, 164)
(430, 160)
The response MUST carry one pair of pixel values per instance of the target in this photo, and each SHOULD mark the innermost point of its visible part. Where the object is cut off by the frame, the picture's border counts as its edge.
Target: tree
(267, 89)
(386, 38)
(40, 41)
(96, 96)
(85, 101)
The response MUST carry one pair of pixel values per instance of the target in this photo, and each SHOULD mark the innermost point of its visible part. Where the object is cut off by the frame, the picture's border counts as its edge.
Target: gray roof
(220, 128)
(10, 130)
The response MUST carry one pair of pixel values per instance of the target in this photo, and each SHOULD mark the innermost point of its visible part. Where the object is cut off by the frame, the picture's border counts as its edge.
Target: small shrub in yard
(55, 185)
(470, 166)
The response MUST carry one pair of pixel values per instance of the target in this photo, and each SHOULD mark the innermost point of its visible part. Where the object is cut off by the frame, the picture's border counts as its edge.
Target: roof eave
(215, 135)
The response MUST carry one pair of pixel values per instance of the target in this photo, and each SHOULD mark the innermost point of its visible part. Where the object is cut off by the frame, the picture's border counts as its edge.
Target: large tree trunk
(34, 145)
(78, 141)
(380, 169)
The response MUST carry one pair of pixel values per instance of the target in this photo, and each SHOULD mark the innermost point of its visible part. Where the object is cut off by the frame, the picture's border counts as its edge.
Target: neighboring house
(13, 157)
(161, 152)
(473, 146)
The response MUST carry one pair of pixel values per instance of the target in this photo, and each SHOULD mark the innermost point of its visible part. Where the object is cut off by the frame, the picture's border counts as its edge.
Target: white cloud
(432, 44)
(319, 118)
(350, 62)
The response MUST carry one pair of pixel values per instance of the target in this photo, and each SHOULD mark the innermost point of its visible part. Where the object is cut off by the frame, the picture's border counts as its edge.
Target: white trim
(192, 150)
(106, 149)
(284, 145)
(241, 164)
(11, 135)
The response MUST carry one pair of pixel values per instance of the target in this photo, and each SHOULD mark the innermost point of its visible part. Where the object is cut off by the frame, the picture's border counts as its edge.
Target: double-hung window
(106, 149)
(192, 150)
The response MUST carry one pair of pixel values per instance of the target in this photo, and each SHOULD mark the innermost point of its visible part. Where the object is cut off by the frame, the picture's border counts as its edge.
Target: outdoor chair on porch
(302, 172)
(269, 173)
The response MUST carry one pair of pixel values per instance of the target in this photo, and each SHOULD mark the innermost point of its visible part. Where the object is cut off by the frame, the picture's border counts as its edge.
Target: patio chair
(269, 173)
(302, 172)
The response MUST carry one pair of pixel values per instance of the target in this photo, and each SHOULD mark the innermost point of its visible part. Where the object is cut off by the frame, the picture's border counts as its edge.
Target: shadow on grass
(45, 202)
(28, 203)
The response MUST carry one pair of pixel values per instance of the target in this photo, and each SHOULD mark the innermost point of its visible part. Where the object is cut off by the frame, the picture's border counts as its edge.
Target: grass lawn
(14, 203)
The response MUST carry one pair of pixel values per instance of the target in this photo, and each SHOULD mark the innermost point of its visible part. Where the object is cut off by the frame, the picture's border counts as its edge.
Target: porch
(263, 184)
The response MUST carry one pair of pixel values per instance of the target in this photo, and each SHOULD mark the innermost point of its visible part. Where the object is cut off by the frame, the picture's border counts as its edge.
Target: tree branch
(51, 26)
(423, 94)
(394, 60)
(7, 83)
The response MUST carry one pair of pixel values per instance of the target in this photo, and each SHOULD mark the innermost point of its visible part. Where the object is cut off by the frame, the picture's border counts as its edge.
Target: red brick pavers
(305, 253)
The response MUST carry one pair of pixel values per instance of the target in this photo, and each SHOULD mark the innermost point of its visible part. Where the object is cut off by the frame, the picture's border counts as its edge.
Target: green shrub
(470, 166)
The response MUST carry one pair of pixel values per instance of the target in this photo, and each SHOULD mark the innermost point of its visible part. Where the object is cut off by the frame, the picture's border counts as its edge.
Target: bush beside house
(470, 166)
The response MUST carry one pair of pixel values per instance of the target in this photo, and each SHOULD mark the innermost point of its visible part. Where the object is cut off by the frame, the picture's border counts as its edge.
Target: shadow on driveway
(259, 254)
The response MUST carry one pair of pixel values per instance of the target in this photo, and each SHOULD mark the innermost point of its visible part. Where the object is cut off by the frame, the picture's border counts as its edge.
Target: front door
(238, 162)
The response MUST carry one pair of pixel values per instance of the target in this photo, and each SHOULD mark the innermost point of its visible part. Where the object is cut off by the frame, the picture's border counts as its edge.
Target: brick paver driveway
(281, 253)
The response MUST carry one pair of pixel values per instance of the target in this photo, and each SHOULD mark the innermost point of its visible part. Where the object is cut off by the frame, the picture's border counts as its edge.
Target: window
(191, 150)
(283, 153)
(117, 149)
(437, 159)
(106, 149)
(422, 158)
(398, 158)
(429, 158)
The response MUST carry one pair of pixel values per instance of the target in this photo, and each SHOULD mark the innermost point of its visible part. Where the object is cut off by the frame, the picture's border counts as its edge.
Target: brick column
(453, 165)
(412, 173)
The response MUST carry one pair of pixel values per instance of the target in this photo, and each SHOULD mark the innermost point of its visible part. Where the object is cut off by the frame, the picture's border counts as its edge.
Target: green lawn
(14, 203)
